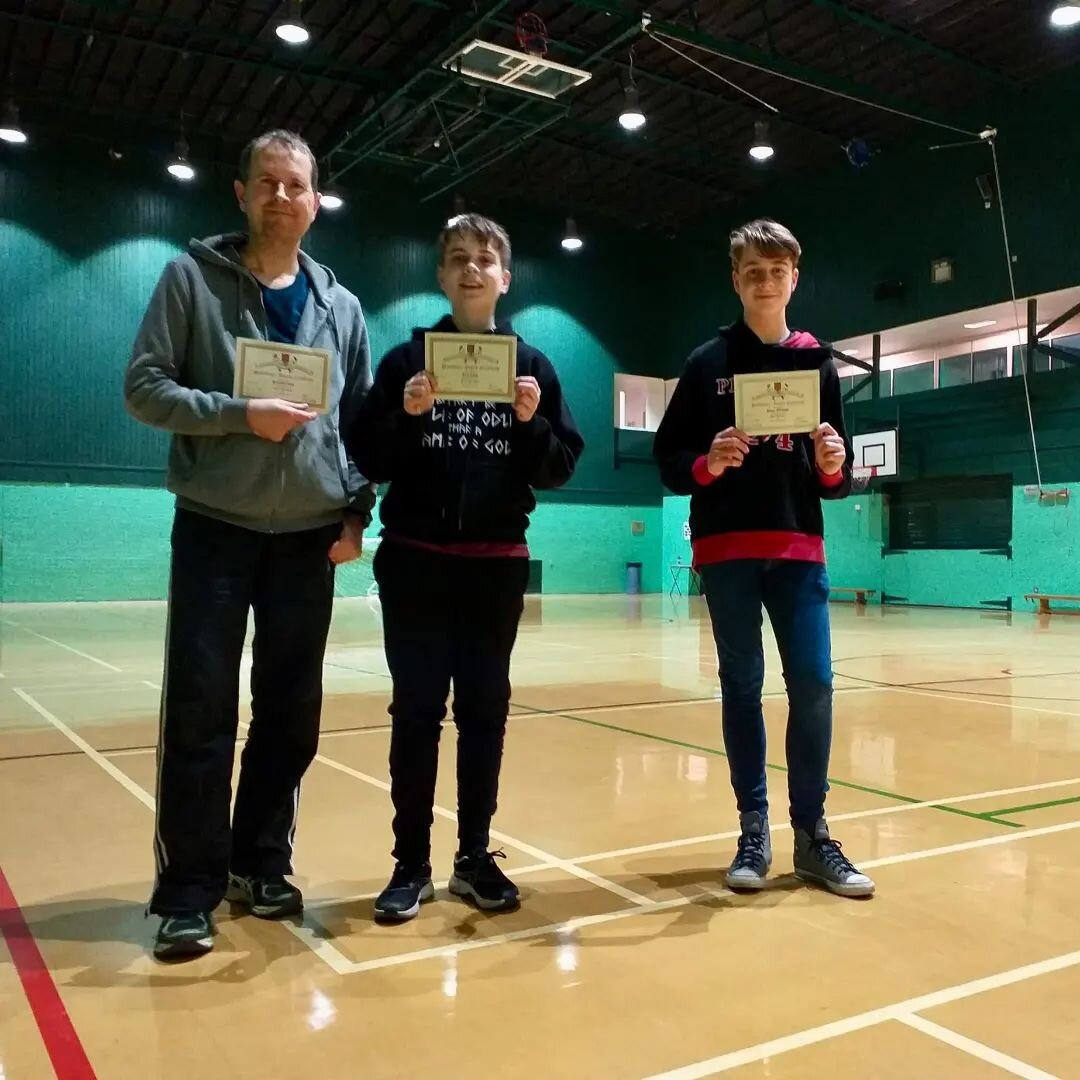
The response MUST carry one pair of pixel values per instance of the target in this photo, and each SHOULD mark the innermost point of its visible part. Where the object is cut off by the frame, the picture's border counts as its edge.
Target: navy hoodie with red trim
(462, 475)
(770, 506)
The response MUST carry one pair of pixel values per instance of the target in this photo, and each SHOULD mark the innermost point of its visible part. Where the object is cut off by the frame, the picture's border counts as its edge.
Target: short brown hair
(278, 137)
(479, 228)
(767, 236)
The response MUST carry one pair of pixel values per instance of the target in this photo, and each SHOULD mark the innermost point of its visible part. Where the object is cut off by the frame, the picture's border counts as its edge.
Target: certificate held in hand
(269, 369)
(472, 367)
(778, 402)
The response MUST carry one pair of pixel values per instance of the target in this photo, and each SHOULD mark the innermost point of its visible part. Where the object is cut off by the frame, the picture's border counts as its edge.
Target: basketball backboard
(497, 64)
(876, 451)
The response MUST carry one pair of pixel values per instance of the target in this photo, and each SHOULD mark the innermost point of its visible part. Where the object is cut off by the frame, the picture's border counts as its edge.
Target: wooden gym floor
(956, 784)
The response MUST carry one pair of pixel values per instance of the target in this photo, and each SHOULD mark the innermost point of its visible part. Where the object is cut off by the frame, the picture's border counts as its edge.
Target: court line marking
(97, 758)
(337, 961)
(537, 853)
(61, 645)
(901, 1010)
(975, 1049)
(854, 815)
(706, 894)
(959, 695)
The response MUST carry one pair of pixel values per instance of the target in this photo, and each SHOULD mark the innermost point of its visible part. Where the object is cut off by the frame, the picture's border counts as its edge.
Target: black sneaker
(819, 859)
(184, 936)
(270, 897)
(407, 889)
(479, 879)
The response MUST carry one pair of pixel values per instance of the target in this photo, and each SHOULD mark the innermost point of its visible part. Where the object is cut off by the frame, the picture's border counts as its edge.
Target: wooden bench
(1045, 598)
(859, 594)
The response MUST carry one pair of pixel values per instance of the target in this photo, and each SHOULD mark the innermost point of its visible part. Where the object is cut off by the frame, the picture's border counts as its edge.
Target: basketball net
(860, 477)
(532, 36)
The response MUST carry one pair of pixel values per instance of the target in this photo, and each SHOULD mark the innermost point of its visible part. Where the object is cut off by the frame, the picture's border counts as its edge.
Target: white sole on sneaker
(745, 882)
(854, 890)
(465, 891)
(427, 892)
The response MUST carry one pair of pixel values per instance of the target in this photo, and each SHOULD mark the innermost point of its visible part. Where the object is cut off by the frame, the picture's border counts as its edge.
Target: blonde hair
(767, 236)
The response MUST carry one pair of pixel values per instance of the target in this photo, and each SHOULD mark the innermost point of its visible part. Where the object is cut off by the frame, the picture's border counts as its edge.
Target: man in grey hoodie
(267, 503)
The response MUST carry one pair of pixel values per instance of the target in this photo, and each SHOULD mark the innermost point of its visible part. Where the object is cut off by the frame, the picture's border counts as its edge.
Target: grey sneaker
(818, 859)
(752, 861)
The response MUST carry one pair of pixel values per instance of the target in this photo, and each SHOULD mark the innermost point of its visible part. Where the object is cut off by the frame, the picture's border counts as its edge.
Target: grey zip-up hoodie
(180, 378)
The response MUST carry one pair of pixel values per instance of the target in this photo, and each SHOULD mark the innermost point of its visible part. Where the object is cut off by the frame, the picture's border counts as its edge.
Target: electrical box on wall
(637, 528)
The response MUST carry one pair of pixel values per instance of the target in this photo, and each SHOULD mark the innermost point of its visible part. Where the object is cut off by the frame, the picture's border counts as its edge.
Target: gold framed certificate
(472, 367)
(270, 369)
(778, 402)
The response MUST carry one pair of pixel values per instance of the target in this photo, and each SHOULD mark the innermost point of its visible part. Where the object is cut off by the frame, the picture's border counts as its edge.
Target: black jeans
(219, 571)
(447, 618)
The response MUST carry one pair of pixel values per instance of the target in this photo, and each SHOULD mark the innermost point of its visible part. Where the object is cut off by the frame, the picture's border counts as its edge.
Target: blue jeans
(796, 595)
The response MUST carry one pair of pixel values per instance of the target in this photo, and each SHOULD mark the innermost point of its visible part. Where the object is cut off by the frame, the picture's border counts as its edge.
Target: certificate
(778, 402)
(472, 367)
(269, 369)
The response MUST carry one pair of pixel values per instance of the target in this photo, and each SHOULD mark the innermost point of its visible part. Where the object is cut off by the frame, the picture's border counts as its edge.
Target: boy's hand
(728, 450)
(829, 451)
(420, 393)
(526, 398)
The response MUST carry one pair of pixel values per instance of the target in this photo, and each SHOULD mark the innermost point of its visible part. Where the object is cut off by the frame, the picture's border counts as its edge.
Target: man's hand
(350, 544)
(728, 450)
(420, 393)
(273, 419)
(829, 451)
(526, 398)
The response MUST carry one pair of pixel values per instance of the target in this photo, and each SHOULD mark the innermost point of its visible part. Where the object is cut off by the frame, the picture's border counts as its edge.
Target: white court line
(439, 886)
(537, 853)
(900, 1011)
(961, 695)
(854, 815)
(136, 751)
(563, 928)
(310, 936)
(61, 645)
(120, 777)
(975, 1049)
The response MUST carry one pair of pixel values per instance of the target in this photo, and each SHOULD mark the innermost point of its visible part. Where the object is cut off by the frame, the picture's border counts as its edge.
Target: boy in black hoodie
(757, 533)
(453, 564)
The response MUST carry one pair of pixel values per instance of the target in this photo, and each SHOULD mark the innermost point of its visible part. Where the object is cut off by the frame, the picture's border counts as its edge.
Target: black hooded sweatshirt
(462, 475)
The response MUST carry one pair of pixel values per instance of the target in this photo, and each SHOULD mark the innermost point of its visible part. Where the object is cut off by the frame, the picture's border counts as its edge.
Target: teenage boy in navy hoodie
(453, 565)
(757, 533)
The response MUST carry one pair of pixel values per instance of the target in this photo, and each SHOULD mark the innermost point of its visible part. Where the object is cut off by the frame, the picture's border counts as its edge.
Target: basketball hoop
(860, 477)
(532, 34)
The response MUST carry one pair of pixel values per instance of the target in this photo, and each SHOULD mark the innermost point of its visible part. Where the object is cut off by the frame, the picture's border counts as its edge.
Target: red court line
(65, 1050)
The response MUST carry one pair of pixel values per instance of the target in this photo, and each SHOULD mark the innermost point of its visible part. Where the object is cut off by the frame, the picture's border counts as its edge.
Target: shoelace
(751, 851)
(830, 854)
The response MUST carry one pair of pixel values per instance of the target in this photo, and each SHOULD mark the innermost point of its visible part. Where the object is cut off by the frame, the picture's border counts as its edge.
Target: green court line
(990, 816)
(1033, 806)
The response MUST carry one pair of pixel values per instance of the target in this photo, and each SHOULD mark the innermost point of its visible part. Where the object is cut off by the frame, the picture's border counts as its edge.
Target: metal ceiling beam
(750, 56)
(313, 53)
(913, 41)
(367, 77)
(402, 91)
(585, 64)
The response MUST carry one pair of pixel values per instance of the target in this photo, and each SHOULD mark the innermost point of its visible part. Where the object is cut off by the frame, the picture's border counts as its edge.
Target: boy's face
(472, 274)
(764, 283)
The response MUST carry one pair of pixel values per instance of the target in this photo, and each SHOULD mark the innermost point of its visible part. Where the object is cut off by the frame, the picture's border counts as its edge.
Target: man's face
(472, 274)
(764, 283)
(278, 198)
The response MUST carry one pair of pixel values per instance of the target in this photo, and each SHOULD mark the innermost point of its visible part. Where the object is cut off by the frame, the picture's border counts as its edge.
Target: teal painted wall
(89, 542)
(1046, 557)
(88, 255)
